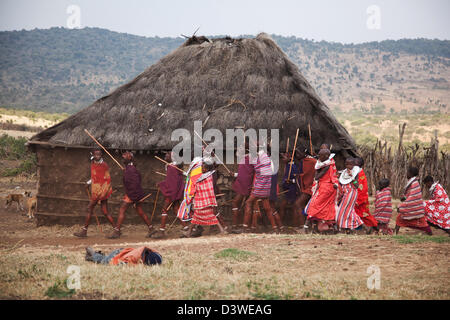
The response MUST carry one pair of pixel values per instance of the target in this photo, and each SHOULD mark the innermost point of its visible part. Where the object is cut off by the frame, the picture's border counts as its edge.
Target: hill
(63, 70)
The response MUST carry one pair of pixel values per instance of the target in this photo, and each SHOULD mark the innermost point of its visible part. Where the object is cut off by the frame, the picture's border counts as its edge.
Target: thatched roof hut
(225, 83)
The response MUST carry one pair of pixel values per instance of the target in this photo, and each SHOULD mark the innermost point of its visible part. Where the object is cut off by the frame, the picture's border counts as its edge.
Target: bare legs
(275, 220)
(140, 212)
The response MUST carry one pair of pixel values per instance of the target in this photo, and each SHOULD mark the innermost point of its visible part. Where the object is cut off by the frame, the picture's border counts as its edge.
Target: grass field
(240, 267)
(34, 264)
(420, 128)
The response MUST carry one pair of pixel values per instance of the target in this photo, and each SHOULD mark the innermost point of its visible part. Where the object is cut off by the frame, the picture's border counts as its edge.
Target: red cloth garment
(437, 209)
(414, 223)
(346, 216)
(204, 201)
(322, 205)
(362, 201)
(413, 207)
(130, 256)
(383, 205)
(412, 210)
(173, 185)
(307, 176)
(101, 181)
(243, 183)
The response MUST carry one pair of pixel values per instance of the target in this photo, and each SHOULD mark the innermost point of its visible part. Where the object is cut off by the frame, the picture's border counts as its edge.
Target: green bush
(59, 290)
(14, 149)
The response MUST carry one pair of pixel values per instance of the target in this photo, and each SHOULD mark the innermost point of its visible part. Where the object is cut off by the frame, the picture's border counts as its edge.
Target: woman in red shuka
(362, 200)
(322, 206)
(205, 204)
(100, 190)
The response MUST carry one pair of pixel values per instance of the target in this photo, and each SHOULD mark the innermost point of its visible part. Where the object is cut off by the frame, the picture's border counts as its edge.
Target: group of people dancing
(312, 196)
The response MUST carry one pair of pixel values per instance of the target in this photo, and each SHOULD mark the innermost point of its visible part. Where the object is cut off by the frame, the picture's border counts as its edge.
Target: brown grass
(34, 261)
(281, 267)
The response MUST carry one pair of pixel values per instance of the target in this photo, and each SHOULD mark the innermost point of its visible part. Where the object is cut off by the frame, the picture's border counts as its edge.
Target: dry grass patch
(240, 267)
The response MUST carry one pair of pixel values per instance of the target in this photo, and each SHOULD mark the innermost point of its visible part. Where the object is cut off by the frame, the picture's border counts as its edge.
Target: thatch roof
(226, 83)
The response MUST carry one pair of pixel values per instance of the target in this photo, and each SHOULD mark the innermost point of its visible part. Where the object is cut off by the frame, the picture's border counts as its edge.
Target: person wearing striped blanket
(437, 208)
(411, 212)
(346, 217)
(204, 201)
(261, 190)
(383, 207)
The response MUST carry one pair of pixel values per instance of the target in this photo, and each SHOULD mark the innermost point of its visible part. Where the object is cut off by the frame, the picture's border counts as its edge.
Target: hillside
(62, 70)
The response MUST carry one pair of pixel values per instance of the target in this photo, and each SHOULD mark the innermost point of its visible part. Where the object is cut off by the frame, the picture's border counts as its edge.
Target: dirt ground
(34, 262)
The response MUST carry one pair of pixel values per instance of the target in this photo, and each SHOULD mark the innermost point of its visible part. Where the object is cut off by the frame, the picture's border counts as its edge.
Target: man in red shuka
(101, 190)
(322, 206)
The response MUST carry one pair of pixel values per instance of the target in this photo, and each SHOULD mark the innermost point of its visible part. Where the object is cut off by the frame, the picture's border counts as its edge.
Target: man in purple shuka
(133, 195)
(242, 185)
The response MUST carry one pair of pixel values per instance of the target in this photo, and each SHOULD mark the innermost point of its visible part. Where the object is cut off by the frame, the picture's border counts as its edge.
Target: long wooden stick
(170, 226)
(154, 206)
(169, 164)
(310, 141)
(287, 145)
(221, 162)
(109, 154)
(292, 157)
(142, 200)
(160, 173)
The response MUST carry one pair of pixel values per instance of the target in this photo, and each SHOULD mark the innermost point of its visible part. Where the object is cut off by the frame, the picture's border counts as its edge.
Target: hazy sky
(332, 20)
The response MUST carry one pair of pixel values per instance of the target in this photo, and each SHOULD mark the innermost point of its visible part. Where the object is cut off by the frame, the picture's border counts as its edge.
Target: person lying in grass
(130, 256)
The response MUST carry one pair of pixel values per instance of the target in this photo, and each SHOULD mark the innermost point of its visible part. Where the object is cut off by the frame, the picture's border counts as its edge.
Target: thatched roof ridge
(226, 83)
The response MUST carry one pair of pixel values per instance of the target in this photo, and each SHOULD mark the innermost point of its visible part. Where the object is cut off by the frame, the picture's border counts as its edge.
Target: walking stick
(109, 154)
(95, 215)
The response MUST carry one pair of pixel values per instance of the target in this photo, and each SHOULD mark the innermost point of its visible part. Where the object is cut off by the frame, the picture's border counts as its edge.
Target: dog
(15, 197)
(32, 205)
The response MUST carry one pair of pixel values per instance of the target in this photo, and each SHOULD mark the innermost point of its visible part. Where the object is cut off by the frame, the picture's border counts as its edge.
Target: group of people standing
(321, 199)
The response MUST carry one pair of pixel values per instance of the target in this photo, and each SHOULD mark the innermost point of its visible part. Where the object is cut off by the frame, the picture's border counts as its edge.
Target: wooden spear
(172, 223)
(287, 145)
(292, 157)
(145, 197)
(310, 141)
(169, 164)
(154, 206)
(160, 173)
(109, 154)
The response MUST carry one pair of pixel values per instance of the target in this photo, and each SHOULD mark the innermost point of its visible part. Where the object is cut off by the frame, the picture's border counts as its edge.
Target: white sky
(330, 20)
